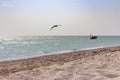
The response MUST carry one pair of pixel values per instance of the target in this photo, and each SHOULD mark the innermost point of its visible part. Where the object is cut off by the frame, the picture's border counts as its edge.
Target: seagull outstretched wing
(54, 26)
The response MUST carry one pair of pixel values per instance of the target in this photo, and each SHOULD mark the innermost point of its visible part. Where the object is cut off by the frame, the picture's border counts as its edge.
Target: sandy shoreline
(95, 64)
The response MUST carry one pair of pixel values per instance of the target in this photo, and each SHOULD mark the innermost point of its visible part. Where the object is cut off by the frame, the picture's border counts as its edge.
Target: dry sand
(96, 64)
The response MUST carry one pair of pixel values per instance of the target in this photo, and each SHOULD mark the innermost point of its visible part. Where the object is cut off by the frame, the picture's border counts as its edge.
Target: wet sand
(95, 64)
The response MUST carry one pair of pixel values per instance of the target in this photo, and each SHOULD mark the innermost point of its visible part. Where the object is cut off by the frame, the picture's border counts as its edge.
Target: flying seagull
(54, 26)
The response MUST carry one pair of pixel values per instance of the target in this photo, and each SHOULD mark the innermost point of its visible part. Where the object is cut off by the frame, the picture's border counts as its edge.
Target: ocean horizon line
(62, 35)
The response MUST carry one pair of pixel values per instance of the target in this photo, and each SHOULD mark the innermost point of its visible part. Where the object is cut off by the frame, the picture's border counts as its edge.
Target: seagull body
(54, 26)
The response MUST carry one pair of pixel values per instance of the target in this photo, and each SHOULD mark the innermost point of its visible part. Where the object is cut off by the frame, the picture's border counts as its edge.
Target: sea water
(30, 46)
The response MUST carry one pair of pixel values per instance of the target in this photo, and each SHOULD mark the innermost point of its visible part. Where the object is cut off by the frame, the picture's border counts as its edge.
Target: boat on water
(93, 37)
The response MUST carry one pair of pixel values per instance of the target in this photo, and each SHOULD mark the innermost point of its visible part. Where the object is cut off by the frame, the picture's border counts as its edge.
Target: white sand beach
(96, 64)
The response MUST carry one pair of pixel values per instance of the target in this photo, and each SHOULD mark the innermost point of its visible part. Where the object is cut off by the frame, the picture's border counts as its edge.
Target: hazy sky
(78, 17)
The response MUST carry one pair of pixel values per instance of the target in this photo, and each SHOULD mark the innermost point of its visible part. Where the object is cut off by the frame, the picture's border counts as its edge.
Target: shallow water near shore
(29, 46)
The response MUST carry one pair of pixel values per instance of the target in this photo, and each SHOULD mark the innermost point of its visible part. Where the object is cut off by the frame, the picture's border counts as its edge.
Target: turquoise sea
(29, 46)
